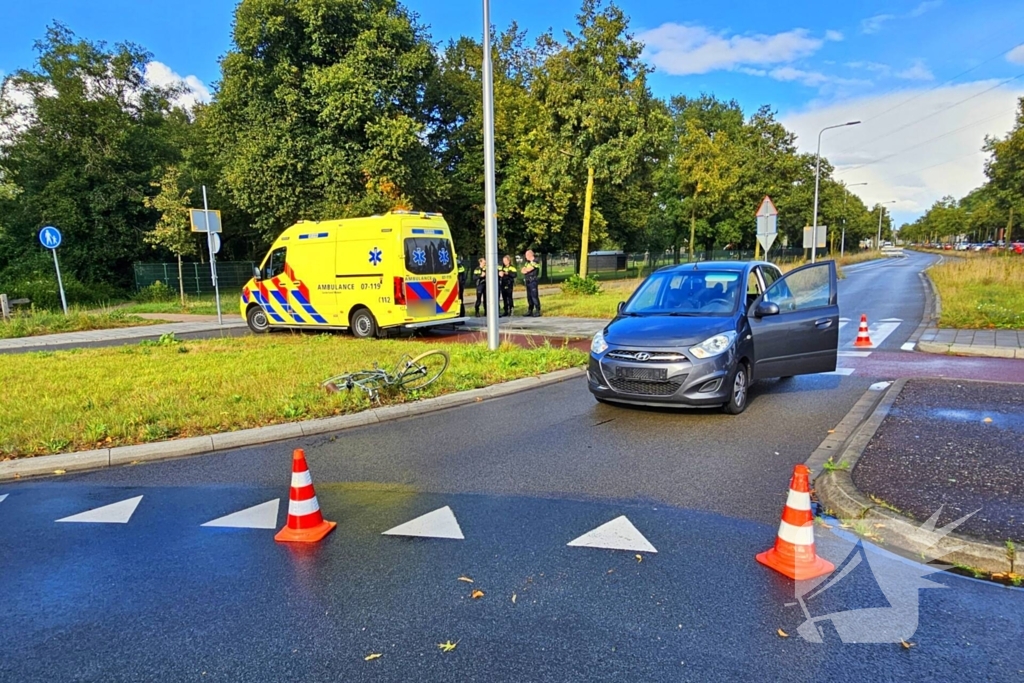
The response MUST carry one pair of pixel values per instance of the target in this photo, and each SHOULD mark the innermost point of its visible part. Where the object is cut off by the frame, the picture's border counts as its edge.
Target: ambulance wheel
(256, 319)
(363, 324)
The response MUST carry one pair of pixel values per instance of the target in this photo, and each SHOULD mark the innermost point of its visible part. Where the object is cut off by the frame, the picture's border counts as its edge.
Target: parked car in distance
(698, 335)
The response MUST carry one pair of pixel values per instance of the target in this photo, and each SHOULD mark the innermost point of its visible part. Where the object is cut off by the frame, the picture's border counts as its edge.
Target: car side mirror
(766, 308)
(256, 274)
(618, 309)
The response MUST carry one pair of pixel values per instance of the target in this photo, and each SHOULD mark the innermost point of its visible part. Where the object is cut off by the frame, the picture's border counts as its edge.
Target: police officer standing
(531, 273)
(507, 273)
(462, 289)
(480, 274)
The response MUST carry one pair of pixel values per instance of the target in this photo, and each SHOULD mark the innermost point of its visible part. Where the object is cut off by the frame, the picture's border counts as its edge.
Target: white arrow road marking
(262, 516)
(115, 513)
(618, 534)
(3, 497)
(845, 372)
(440, 523)
(909, 346)
(878, 386)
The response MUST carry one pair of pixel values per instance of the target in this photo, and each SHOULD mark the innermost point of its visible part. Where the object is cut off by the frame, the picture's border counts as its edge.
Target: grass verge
(63, 401)
(193, 306)
(984, 292)
(35, 322)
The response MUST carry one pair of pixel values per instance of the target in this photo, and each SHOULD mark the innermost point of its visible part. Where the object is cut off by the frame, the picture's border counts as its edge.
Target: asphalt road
(163, 597)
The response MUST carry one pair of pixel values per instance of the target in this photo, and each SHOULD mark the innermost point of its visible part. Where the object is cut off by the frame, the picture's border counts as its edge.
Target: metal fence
(196, 276)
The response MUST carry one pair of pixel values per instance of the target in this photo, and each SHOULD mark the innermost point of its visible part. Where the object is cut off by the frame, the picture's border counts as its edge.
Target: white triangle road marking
(115, 513)
(618, 534)
(909, 346)
(879, 386)
(440, 523)
(262, 516)
(3, 497)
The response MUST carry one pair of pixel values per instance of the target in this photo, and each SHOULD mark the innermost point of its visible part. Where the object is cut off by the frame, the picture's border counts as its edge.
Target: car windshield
(695, 292)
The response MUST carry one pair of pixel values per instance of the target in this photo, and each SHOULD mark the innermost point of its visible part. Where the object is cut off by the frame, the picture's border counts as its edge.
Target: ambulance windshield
(429, 256)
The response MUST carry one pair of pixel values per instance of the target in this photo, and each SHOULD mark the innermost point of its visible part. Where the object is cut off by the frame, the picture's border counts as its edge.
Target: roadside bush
(157, 292)
(581, 285)
(41, 289)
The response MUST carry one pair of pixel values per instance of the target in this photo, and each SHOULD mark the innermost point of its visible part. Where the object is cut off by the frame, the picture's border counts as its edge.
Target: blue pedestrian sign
(50, 237)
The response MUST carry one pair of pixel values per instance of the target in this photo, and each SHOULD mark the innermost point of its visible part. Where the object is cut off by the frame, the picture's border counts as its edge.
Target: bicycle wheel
(423, 370)
(367, 380)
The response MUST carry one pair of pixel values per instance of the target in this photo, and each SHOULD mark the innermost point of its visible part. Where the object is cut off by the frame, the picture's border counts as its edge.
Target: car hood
(658, 331)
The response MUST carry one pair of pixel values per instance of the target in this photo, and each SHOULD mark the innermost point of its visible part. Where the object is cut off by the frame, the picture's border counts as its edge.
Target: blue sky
(898, 65)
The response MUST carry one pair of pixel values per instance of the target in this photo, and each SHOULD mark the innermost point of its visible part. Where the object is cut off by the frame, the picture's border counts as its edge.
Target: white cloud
(1016, 55)
(919, 170)
(681, 50)
(811, 78)
(159, 74)
(918, 72)
(833, 35)
(874, 24)
(924, 7)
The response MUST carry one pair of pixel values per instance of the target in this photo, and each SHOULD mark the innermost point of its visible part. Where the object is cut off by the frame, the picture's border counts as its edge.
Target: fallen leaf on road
(879, 526)
(987, 419)
(477, 594)
(466, 579)
(906, 645)
(610, 571)
(513, 598)
(844, 525)
(447, 646)
(60, 471)
(831, 431)
(371, 657)
(639, 558)
(782, 634)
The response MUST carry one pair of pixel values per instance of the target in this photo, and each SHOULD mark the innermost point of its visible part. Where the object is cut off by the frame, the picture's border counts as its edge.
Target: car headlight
(718, 344)
(598, 345)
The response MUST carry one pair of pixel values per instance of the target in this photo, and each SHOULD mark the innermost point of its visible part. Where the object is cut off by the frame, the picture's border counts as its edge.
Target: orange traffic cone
(862, 334)
(305, 523)
(793, 554)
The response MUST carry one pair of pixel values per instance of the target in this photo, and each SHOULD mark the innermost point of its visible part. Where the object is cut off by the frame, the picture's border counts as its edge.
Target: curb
(841, 498)
(210, 443)
(932, 306)
(969, 350)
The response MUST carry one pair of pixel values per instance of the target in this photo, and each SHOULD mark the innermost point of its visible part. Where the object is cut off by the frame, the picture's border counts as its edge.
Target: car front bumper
(684, 383)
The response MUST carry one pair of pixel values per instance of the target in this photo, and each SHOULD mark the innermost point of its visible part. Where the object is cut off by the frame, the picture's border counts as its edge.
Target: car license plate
(649, 374)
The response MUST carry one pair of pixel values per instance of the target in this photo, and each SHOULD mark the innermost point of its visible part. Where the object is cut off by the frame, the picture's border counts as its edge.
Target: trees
(173, 229)
(320, 111)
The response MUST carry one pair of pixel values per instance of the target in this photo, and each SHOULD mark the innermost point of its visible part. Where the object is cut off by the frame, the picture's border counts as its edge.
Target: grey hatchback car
(698, 335)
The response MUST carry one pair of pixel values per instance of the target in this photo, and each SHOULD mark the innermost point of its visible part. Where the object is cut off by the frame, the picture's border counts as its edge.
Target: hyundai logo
(643, 356)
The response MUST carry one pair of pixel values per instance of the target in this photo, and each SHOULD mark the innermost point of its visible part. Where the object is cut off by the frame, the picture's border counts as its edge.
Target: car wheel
(363, 324)
(739, 391)
(256, 319)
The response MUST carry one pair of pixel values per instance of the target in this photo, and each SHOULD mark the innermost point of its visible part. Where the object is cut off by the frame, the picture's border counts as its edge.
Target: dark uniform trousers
(481, 289)
(507, 283)
(532, 297)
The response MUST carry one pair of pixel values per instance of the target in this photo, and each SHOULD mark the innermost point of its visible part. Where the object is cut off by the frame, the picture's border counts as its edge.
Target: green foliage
(155, 293)
(580, 285)
(833, 466)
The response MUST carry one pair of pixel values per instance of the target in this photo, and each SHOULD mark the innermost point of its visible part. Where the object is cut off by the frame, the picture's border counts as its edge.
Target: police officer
(531, 272)
(507, 273)
(462, 289)
(480, 274)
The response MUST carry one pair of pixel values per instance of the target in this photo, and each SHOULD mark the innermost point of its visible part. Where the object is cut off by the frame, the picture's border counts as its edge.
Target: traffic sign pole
(60, 283)
(213, 257)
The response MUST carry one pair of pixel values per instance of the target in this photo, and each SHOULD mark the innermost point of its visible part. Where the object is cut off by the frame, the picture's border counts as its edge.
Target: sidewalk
(115, 336)
(987, 343)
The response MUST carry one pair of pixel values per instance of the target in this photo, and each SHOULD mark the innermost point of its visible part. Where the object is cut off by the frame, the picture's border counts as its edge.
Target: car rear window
(429, 255)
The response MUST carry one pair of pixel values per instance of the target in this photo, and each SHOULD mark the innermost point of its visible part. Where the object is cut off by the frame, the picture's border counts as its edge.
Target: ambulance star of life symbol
(873, 595)
(376, 256)
(444, 257)
(419, 256)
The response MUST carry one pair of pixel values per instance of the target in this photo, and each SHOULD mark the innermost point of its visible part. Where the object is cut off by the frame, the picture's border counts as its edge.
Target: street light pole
(490, 224)
(842, 240)
(817, 173)
(881, 210)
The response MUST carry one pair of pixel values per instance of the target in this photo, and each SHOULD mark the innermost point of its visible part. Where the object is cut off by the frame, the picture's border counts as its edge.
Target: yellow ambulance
(366, 275)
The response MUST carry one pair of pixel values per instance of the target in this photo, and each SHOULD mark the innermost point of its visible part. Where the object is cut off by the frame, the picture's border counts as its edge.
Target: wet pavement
(954, 444)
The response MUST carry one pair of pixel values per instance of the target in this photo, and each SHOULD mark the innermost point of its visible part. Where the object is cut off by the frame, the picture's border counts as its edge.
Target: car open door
(795, 323)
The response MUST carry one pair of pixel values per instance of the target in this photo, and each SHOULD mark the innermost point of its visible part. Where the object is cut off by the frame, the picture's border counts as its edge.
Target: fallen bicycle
(410, 374)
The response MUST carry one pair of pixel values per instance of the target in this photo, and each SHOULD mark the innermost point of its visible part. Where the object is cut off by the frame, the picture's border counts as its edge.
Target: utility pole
(817, 174)
(490, 223)
(586, 221)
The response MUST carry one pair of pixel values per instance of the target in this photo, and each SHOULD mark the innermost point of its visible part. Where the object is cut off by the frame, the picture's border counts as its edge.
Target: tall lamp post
(842, 240)
(490, 225)
(881, 210)
(817, 173)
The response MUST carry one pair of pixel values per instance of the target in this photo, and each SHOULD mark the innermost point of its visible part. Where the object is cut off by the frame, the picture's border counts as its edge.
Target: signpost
(209, 222)
(50, 238)
(767, 226)
(808, 243)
